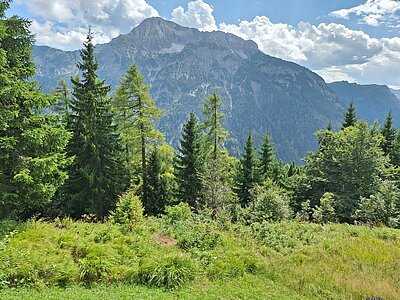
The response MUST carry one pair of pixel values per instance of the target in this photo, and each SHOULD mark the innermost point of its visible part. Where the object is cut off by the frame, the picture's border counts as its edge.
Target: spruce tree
(389, 133)
(97, 175)
(267, 159)
(62, 106)
(136, 114)
(188, 163)
(350, 117)
(247, 173)
(155, 191)
(32, 143)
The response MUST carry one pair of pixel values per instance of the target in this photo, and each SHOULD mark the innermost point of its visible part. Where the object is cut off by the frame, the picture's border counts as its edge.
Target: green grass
(193, 259)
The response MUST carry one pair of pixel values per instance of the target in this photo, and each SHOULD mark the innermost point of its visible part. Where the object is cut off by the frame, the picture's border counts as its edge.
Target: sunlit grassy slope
(190, 258)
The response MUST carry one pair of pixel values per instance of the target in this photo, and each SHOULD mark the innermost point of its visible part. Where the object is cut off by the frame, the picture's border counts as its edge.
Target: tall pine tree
(97, 175)
(188, 163)
(267, 159)
(136, 115)
(350, 117)
(155, 191)
(247, 174)
(62, 106)
(215, 134)
(217, 173)
(389, 133)
(32, 144)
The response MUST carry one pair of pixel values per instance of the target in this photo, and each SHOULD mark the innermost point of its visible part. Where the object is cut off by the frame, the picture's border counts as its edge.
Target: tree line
(75, 152)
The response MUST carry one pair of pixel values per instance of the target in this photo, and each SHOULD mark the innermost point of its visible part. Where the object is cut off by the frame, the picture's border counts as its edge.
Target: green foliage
(267, 158)
(169, 271)
(247, 176)
(96, 176)
(178, 213)
(351, 165)
(303, 215)
(381, 208)
(32, 144)
(246, 262)
(217, 181)
(350, 117)
(270, 202)
(190, 232)
(188, 164)
(62, 106)
(136, 114)
(215, 135)
(128, 211)
(155, 189)
(325, 212)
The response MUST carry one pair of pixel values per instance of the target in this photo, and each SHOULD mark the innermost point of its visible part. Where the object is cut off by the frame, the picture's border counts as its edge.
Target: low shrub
(169, 271)
(178, 213)
(129, 210)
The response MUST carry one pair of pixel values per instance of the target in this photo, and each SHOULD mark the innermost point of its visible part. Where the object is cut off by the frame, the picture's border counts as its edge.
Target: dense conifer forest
(85, 162)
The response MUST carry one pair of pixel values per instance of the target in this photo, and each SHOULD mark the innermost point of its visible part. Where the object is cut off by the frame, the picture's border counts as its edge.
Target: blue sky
(354, 40)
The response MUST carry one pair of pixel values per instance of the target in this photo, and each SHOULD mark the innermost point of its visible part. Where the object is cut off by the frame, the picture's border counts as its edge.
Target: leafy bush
(177, 213)
(285, 237)
(304, 214)
(190, 231)
(128, 211)
(270, 203)
(325, 212)
(381, 208)
(168, 271)
(192, 235)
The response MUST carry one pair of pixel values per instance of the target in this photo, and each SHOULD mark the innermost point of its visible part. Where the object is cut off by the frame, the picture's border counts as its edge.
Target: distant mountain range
(260, 93)
(372, 102)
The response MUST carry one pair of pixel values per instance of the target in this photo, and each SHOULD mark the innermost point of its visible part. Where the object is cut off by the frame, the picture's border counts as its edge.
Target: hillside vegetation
(182, 255)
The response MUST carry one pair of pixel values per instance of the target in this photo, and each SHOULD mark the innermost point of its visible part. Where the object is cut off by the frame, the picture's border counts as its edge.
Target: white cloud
(331, 50)
(65, 39)
(199, 15)
(372, 12)
(314, 46)
(66, 22)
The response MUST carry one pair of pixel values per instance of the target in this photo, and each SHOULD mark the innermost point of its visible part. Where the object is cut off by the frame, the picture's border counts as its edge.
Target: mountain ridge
(260, 93)
(372, 101)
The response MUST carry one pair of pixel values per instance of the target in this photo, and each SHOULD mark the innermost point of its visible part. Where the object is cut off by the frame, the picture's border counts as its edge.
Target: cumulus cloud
(332, 50)
(66, 22)
(315, 46)
(198, 15)
(372, 12)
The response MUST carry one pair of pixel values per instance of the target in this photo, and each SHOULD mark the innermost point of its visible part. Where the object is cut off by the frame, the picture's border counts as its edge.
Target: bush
(191, 235)
(381, 208)
(270, 203)
(190, 231)
(325, 212)
(129, 210)
(169, 271)
(176, 213)
(304, 214)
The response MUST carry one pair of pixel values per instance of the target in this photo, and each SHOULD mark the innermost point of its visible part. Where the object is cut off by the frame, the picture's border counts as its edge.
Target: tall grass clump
(167, 271)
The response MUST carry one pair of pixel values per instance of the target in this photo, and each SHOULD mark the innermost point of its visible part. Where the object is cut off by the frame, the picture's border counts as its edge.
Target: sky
(353, 40)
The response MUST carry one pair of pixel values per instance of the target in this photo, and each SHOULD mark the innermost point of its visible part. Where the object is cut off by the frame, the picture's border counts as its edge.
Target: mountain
(260, 93)
(372, 102)
(395, 92)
